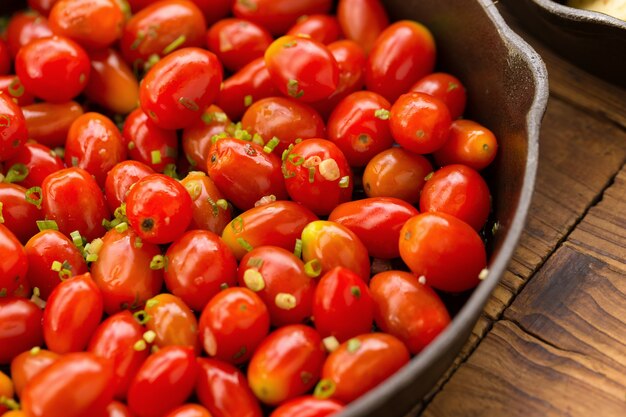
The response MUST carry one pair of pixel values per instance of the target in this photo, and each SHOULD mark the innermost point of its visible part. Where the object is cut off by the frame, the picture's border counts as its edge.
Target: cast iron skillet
(594, 41)
(508, 91)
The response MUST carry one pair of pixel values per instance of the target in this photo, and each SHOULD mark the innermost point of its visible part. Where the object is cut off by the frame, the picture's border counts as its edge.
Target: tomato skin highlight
(20, 327)
(445, 87)
(173, 323)
(119, 180)
(308, 406)
(207, 215)
(468, 143)
(48, 123)
(13, 132)
(13, 265)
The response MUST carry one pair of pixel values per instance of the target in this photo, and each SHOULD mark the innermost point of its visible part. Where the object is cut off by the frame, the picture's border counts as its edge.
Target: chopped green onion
(293, 89)
(131, 145)
(140, 345)
(258, 139)
(324, 389)
(46, 225)
(312, 175)
(189, 103)
(330, 343)
(247, 100)
(141, 316)
(138, 242)
(353, 345)
(149, 336)
(140, 37)
(92, 257)
(295, 159)
(122, 227)
(290, 44)
(158, 262)
(356, 291)
(237, 224)
(65, 274)
(56, 266)
(452, 86)
(313, 268)
(152, 303)
(429, 176)
(221, 203)
(253, 280)
(271, 145)
(1, 215)
(74, 161)
(16, 89)
(28, 195)
(35, 350)
(285, 301)
(77, 239)
(170, 171)
(382, 114)
(155, 157)
(223, 286)
(17, 173)
(244, 244)
(175, 44)
(9, 403)
(344, 182)
(297, 250)
(255, 262)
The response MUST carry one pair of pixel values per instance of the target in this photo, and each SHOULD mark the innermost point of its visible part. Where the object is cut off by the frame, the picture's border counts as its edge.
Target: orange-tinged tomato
(28, 364)
(210, 211)
(48, 123)
(190, 410)
(362, 21)
(308, 406)
(172, 322)
(468, 143)
(7, 390)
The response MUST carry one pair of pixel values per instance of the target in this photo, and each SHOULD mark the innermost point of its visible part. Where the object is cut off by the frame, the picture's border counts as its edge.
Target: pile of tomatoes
(226, 208)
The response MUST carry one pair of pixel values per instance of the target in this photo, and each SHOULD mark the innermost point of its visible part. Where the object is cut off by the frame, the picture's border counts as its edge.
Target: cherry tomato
(42, 6)
(148, 143)
(276, 224)
(44, 64)
(53, 393)
(164, 381)
(308, 406)
(197, 137)
(224, 390)
(28, 364)
(332, 244)
(159, 209)
(468, 143)
(159, 29)
(172, 322)
(237, 42)
(302, 68)
(119, 180)
(119, 340)
(317, 175)
(24, 27)
(359, 126)
(460, 191)
(126, 271)
(93, 24)
(233, 324)
(407, 309)
(362, 21)
(361, 363)
(250, 83)
(13, 265)
(178, 88)
(118, 409)
(284, 118)
(376, 222)
(5, 58)
(396, 173)
(19, 214)
(199, 266)
(445, 87)
(94, 144)
(402, 55)
(278, 15)
(72, 198)
(287, 364)
(207, 213)
(20, 327)
(343, 307)
(213, 10)
(190, 410)
(420, 122)
(69, 330)
(245, 172)
(13, 133)
(319, 27)
(446, 251)
(12, 87)
(52, 257)
(40, 162)
(279, 278)
(112, 83)
(48, 123)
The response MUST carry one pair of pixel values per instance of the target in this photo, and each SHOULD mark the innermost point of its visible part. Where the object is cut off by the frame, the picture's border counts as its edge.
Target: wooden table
(552, 339)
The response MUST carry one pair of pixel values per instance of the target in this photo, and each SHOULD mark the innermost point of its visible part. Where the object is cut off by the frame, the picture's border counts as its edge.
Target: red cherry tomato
(72, 198)
(197, 138)
(332, 244)
(361, 363)
(468, 143)
(24, 27)
(40, 162)
(233, 324)
(44, 64)
(93, 24)
(446, 251)
(118, 409)
(245, 172)
(159, 209)
(118, 339)
(445, 87)
(460, 191)
(218, 384)
(119, 180)
(199, 266)
(13, 265)
(43, 250)
(279, 278)
(319, 27)
(48, 123)
(13, 133)
(20, 327)
(278, 15)
(237, 42)
(19, 215)
(5, 58)
(172, 322)
(359, 126)
(207, 213)
(275, 224)
(164, 381)
(42, 6)
(343, 306)
(376, 221)
(53, 393)
(190, 410)
(362, 21)
(94, 144)
(126, 271)
(287, 364)
(69, 330)
(28, 364)
(12, 87)
(317, 175)
(307, 406)
(302, 68)
(411, 311)
(419, 122)
(402, 54)
(284, 118)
